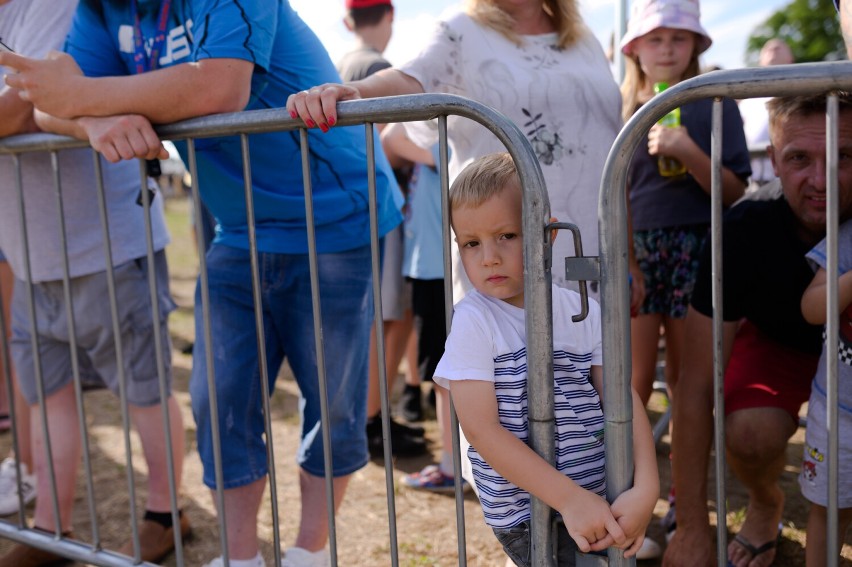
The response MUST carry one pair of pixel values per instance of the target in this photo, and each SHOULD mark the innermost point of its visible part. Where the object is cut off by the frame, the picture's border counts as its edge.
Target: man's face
(798, 156)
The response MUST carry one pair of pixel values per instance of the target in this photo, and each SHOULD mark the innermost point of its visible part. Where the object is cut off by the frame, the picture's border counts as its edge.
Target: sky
(729, 23)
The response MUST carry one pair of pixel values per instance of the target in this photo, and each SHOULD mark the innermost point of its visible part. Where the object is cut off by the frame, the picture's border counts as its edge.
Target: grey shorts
(813, 479)
(96, 345)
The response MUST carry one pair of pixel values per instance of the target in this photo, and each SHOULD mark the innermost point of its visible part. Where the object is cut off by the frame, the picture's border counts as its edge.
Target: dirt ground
(425, 523)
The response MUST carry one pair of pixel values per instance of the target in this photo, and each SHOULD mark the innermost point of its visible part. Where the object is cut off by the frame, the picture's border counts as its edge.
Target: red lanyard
(143, 62)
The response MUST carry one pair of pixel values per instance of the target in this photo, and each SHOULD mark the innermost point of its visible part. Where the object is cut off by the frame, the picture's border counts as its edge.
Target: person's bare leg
(150, 425)
(7, 280)
(412, 375)
(756, 442)
(65, 442)
(241, 507)
(396, 338)
(817, 533)
(644, 338)
(22, 411)
(675, 329)
(313, 524)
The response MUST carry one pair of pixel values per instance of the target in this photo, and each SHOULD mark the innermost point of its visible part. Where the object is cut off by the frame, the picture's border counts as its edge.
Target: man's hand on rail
(690, 548)
(318, 106)
(123, 137)
(49, 84)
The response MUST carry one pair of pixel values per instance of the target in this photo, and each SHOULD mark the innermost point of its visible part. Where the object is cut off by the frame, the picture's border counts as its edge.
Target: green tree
(810, 27)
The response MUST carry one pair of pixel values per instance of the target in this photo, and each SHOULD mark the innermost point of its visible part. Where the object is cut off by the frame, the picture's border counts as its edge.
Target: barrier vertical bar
(6, 360)
(261, 344)
(615, 305)
(718, 330)
(34, 341)
(72, 344)
(443, 150)
(159, 355)
(320, 344)
(832, 324)
(380, 341)
(204, 288)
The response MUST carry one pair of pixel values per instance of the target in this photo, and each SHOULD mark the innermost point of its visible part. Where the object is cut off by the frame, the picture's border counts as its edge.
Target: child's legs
(644, 337)
(674, 347)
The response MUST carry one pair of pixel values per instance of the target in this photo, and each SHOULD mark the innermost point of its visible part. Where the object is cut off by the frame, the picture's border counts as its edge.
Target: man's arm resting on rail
(16, 115)
(692, 433)
(57, 86)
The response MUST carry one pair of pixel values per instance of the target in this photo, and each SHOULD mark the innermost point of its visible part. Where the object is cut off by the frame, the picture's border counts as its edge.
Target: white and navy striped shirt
(488, 342)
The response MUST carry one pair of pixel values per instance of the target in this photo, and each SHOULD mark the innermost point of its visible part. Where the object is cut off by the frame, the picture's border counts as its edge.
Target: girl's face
(664, 54)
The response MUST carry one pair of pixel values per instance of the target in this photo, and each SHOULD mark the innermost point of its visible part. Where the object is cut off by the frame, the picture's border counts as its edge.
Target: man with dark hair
(371, 21)
(770, 351)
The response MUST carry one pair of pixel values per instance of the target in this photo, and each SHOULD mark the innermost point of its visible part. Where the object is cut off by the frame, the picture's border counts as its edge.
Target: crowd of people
(119, 68)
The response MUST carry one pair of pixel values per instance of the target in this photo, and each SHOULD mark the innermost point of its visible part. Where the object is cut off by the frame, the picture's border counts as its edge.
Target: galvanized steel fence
(610, 268)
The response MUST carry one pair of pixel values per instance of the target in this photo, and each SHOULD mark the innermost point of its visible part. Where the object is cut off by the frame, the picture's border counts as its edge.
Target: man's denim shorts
(345, 281)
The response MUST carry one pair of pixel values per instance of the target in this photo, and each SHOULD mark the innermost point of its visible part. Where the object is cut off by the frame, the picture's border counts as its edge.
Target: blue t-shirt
(663, 202)
(424, 242)
(288, 58)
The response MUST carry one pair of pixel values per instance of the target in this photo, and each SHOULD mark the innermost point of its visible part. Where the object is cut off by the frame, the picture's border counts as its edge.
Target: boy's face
(491, 245)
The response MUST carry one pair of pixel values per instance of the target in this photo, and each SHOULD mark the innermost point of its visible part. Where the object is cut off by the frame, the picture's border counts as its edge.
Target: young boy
(814, 477)
(484, 366)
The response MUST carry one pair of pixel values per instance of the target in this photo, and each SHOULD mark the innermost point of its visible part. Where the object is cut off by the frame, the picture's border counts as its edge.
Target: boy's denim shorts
(517, 544)
(345, 281)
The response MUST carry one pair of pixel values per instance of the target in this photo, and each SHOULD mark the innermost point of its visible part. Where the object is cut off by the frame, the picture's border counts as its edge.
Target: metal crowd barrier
(787, 80)
(366, 112)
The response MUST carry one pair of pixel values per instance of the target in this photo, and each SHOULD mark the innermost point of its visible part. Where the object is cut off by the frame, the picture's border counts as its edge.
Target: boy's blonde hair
(482, 179)
(565, 14)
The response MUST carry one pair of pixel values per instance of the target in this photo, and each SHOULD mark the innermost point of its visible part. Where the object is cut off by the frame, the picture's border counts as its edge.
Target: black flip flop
(760, 549)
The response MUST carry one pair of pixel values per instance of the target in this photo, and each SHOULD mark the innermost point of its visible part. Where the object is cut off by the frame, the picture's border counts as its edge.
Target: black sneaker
(405, 442)
(411, 404)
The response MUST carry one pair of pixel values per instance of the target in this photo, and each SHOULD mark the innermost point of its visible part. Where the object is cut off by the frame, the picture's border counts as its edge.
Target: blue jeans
(345, 282)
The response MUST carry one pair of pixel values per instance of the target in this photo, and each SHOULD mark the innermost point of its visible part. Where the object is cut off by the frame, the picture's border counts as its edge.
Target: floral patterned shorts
(668, 258)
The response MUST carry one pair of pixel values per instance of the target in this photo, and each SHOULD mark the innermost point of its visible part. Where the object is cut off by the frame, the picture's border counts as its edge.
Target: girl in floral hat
(670, 206)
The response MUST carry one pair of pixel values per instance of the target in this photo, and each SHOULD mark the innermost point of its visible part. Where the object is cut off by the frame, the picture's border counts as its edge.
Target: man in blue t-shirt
(152, 61)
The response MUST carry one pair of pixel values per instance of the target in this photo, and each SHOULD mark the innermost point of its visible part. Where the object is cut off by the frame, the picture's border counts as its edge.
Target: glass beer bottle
(669, 166)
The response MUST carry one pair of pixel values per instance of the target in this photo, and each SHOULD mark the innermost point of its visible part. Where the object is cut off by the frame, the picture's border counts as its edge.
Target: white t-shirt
(488, 342)
(33, 28)
(565, 101)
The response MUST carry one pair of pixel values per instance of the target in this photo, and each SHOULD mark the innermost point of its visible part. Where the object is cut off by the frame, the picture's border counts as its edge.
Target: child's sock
(256, 561)
(446, 464)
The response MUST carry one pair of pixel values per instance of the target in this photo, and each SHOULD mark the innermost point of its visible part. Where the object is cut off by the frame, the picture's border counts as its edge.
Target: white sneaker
(256, 562)
(9, 486)
(298, 557)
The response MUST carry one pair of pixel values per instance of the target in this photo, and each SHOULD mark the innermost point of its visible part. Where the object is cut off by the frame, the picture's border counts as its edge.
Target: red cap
(355, 4)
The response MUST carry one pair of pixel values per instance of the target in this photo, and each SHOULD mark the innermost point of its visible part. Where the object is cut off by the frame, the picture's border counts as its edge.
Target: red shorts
(763, 373)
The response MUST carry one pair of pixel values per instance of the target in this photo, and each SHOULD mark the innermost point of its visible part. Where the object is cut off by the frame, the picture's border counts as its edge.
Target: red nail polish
(293, 114)
(331, 121)
(323, 127)
(309, 123)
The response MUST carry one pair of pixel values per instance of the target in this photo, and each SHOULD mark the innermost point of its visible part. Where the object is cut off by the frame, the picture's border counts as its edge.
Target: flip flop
(759, 549)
